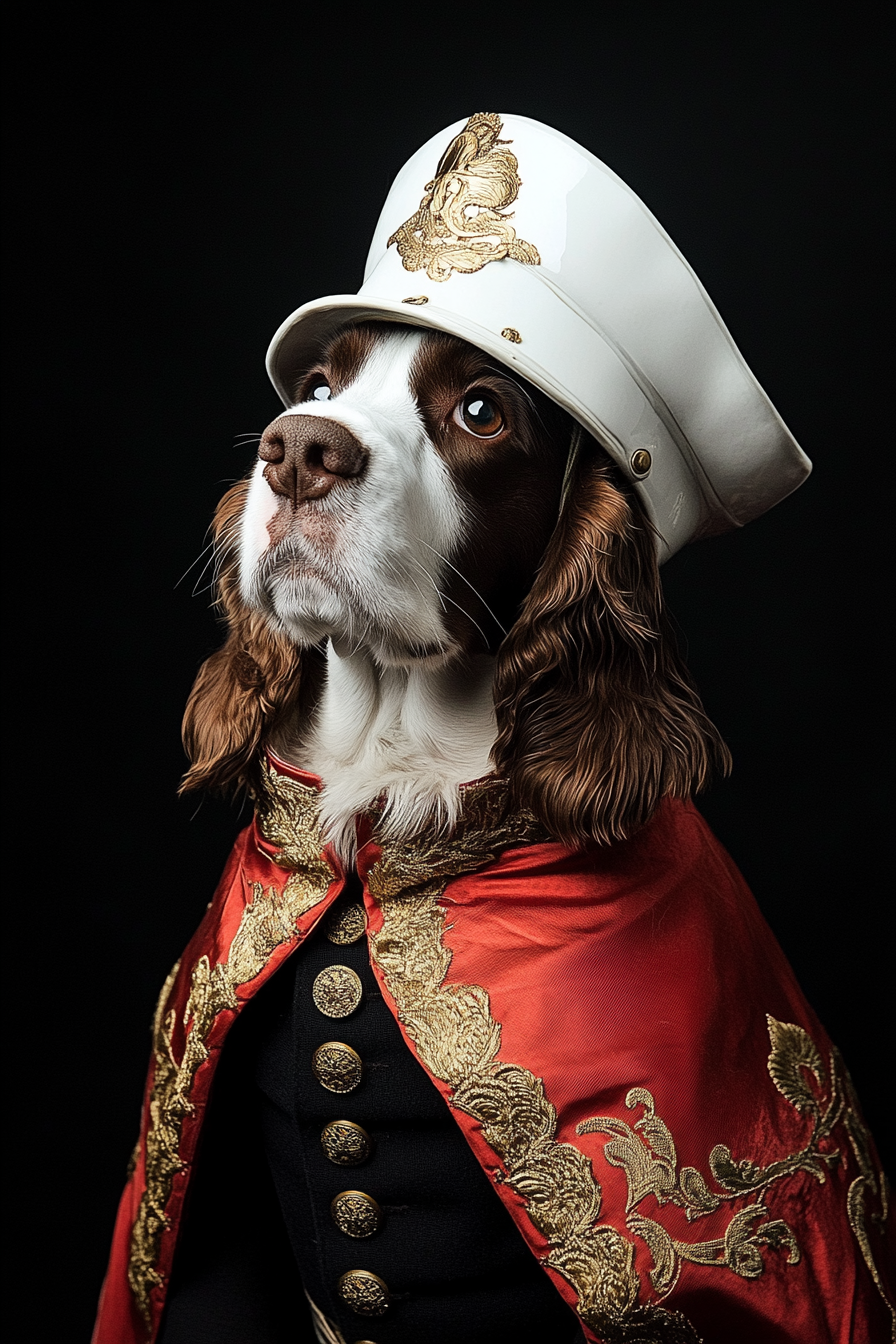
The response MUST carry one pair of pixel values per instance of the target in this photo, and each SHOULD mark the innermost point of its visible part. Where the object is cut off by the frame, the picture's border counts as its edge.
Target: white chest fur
(411, 735)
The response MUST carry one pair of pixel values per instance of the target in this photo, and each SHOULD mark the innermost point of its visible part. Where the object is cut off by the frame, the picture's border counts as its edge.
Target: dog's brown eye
(480, 415)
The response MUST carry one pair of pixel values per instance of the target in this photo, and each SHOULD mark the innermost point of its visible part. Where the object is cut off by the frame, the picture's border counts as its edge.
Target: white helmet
(578, 289)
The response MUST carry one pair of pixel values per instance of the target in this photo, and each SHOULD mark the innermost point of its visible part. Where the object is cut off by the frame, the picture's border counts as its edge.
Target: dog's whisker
(210, 547)
(443, 598)
(227, 542)
(473, 590)
(438, 592)
(218, 577)
(196, 590)
(218, 553)
(464, 612)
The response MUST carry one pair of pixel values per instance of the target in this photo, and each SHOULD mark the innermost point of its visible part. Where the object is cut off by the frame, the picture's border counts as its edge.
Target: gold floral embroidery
(289, 819)
(288, 816)
(461, 224)
(646, 1152)
(458, 1039)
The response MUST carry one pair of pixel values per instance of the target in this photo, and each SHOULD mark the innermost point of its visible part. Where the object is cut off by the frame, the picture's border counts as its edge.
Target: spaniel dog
(431, 573)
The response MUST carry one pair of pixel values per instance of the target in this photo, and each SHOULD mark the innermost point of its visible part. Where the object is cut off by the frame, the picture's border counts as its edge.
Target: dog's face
(406, 508)
(403, 503)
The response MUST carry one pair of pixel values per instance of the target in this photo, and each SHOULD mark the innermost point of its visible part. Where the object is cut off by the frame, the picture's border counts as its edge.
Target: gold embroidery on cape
(646, 1152)
(462, 223)
(458, 1040)
(133, 1160)
(288, 816)
(868, 1182)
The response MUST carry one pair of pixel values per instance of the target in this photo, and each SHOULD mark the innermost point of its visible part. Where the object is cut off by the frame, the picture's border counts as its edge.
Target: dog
(450, 687)
(429, 576)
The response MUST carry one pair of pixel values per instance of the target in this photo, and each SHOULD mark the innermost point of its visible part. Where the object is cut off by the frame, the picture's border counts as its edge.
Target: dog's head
(403, 503)
(407, 505)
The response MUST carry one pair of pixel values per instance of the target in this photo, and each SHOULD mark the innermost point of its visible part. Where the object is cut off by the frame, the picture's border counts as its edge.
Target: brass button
(345, 925)
(336, 1066)
(641, 462)
(337, 991)
(364, 1293)
(345, 1143)
(356, 1214)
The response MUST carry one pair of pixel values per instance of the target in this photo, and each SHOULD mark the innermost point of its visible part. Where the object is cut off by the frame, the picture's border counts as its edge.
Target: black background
(182, 181)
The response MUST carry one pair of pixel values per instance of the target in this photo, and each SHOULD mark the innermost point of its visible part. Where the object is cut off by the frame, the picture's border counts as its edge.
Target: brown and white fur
(410, 607)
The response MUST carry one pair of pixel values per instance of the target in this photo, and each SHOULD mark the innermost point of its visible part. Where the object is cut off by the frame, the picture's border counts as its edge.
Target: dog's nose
(307, 455)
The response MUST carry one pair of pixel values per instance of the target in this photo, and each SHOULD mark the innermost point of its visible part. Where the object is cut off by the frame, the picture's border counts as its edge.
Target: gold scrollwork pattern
(646, 1153)
(289, 819)
(461, 223)
(458, 1039)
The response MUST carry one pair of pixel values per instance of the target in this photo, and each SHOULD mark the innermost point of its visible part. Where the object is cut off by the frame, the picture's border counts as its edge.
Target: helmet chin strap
(572, 461)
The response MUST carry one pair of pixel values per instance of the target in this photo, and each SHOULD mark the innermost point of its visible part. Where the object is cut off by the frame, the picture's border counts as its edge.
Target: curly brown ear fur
(244, 689)
(597, 716)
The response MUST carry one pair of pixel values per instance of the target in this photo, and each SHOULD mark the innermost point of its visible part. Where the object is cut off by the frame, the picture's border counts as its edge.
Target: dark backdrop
(183, 180)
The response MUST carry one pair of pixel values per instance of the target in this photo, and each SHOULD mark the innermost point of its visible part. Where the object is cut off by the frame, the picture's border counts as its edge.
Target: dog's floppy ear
(597, 716)
(244, 689)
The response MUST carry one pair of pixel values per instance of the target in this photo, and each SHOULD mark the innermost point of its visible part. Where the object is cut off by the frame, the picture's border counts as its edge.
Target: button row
(337, 991)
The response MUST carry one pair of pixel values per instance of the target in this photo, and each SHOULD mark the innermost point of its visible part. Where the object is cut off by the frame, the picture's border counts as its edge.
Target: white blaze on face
(364, 564)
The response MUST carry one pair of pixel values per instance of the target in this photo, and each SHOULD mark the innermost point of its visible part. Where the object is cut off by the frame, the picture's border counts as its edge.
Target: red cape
(616, 1032)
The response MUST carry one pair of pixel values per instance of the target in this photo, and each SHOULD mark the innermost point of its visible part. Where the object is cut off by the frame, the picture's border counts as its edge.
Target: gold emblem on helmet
(461, 223)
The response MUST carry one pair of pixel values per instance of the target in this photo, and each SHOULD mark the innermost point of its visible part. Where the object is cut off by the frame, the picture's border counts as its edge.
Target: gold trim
(417, 300)
(511, 334)
(868, 1182)
(458, 1040)
(289, 818)
(461, 223)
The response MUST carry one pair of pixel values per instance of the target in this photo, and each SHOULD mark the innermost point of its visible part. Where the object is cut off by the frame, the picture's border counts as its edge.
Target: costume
(615, 1031)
